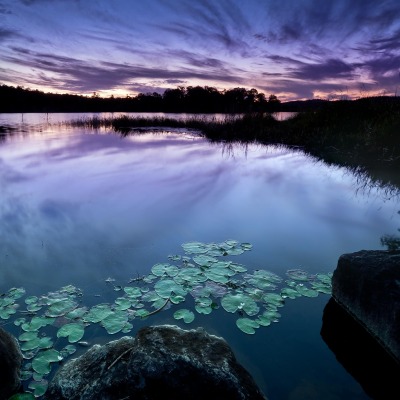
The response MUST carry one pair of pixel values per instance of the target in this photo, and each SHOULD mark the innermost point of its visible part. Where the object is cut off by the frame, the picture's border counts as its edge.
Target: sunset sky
(296, 49)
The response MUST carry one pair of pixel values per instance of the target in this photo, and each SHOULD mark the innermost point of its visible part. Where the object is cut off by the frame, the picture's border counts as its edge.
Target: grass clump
(363, 135)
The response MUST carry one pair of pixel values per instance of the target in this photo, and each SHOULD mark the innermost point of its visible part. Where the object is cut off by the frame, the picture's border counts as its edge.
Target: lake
(95, 210)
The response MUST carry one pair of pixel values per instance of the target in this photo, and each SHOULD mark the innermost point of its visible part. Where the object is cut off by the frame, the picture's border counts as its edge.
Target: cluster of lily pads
(204, 274)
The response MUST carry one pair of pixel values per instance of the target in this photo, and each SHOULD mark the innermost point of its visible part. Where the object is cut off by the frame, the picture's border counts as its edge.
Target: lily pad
(297, 274)
(73, 331)
(16, 293)
(115, 322)
(41, 363)
(305, 291)
(203, 305)
(247, 325)
(36, 323)
(274, 299)
(204, 260)
(122, 303)
(164, 269)
(68, 350)
(195, 247)
(39, 388)
(289, 293)
(97, 313)
(184, 314)
(61, 308)
(133, 291)
(167, 287)
(22, 396)
(240, 302)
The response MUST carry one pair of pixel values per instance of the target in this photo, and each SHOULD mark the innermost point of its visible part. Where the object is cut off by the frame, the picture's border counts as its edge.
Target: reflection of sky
(295, 49)
(79, 207)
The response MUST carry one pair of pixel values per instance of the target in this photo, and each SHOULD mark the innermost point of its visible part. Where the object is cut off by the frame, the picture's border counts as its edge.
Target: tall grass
(363, 135)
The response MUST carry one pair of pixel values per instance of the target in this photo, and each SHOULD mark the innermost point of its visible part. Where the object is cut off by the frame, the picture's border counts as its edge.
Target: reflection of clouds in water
(98, 205)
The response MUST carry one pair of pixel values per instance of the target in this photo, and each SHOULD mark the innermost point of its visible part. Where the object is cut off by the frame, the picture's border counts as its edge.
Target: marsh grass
(363, 135)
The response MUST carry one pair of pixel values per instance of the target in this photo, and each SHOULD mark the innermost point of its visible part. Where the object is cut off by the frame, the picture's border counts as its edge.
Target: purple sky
(296, 49)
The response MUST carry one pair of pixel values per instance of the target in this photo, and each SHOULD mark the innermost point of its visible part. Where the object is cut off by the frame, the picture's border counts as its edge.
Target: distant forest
(191, 99)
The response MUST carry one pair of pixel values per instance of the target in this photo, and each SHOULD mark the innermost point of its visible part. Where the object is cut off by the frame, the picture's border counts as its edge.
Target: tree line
(191, 99)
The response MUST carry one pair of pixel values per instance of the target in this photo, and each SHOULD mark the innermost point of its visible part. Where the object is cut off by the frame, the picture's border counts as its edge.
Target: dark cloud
(7, 34)
(311, 20)
(78, 75)
(328, 69)
(389, 43)
(221, 23)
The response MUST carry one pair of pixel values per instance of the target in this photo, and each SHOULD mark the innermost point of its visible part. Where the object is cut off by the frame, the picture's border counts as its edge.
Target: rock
(161, 362)
(360, 354)
(10, 364)
(367, 285)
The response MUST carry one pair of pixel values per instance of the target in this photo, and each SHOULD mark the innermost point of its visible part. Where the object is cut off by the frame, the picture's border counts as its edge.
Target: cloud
(79, 75)
(329, 69)
(7, 34)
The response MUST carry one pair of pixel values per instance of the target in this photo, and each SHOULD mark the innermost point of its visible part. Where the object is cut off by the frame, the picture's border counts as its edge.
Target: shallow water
(79, 206)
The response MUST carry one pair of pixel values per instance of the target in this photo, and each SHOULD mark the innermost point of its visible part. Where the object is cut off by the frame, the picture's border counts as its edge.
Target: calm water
(78, 207)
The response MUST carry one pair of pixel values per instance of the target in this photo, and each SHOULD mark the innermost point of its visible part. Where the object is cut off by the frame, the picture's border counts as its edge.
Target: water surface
(80, 206)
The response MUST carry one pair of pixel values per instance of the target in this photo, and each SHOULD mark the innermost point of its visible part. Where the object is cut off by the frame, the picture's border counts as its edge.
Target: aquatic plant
(53, 323)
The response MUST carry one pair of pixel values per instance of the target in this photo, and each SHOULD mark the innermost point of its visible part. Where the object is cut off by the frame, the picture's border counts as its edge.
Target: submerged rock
(161, 362)
(10, 364)
(367, 285)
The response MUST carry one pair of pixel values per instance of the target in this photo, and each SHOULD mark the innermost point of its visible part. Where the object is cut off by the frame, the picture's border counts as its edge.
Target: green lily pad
(97, 313)
(174, 257)
(115, 322)
(238, 268)
(219, 274)
(6, 312)
(68, 350)
(195, 247)
(246, 246)
(127, 328)
(22, 396)
(176, 299)
(15, 293)
(247, 325)
(268, 317)
(167, 287)
(73, 331)
(289, 293)
(34, 307)
(203, 305)
(297, 274)
(25, 375)
(36, 323)
(122, 303)
(61, 308)
(321, 287)
(42, 362)
(204, 260)
(184, 314)
(240, 302)
(133, 291)
(31, 300)
(274, 300)
(39, 388)
(305, 291)
(164, 269)
(77, 313)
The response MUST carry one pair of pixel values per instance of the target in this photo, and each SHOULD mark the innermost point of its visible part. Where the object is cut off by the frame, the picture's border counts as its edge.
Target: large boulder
(161, 362)
(367, 285)
(10, 364)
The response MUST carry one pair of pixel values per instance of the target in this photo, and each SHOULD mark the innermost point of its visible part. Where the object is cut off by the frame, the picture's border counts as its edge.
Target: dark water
(78, 207)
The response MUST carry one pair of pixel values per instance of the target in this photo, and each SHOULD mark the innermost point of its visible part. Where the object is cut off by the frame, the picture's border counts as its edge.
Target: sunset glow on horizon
(295, 49)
